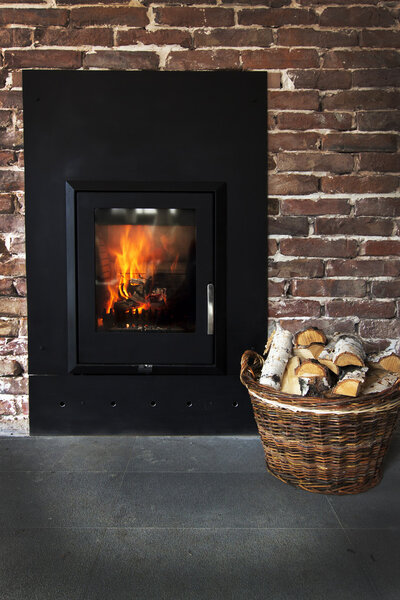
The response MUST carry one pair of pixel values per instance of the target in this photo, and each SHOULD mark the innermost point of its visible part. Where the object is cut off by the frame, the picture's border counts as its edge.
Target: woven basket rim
(251, 364)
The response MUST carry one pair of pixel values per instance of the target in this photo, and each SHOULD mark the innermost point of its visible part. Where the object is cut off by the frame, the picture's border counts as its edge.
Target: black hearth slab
(144, 404)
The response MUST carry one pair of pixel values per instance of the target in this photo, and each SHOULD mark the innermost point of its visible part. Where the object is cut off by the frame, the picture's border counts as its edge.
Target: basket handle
(250, 366)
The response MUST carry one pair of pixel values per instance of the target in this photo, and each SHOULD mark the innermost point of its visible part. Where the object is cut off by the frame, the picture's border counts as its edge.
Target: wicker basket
(327, 445)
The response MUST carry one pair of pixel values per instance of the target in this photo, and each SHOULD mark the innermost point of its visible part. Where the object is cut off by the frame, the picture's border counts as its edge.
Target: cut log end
(309, 336)
(311, 368)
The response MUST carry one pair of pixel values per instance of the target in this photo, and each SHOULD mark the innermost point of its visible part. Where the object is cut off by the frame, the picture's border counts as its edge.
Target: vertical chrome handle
(210, 309)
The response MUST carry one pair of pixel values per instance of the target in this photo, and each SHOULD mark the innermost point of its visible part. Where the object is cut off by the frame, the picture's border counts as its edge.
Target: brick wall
(333, 118)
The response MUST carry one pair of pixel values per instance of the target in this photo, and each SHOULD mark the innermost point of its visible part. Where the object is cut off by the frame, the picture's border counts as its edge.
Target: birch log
(378, 381)
(350, 381)
(276, 361)
(290, 381)
(349, 351)
(388, 360)
(309, 336)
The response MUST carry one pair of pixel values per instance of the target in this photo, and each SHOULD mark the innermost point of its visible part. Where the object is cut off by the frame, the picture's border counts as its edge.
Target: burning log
(309, 336)
(277, 358)
(350, 381)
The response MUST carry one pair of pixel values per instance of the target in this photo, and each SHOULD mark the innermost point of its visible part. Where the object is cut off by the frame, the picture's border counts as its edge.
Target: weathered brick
(381, 161)
(328, 287)
(11, 385)
(5, 118)
(284, 99)
(10, 99)
(318, 247)
(357, 226)
(359, 142)
(6, 203)
(11, 139)
(338, 2)
(363, 268)
(381, 329)
(315, 161)
(384, 207)
(296, 268)
(13, 346)
(361, 100)
(359, 184)
(135, 16)
(6, 287)
(280, 58)
(17, 244)
(352, 59)
(360, 308)
(7, 157)
(33, 16)
(319, 206)
(294, 308)
(376, 38)
(20, 286)
(12, 223)
(270, 3)
(329, 326)
(272, 247)
(160, 37)
(327, 79)
(12, 307)
(385, 289)
(292, 184)
(274, 80)
(10, 367)
(17, 36)
(275, 288)
(203, 60)
(307, 36)
(60, 59)
(120, 59)
(72, 2)
(384, 120)
(293, 141)
(11, 180)
(184, 16)
(233, 37)
(275, 17)
(316, 120)
(356, 16)
(383, 77)
(92, 36)
(273, 206)
(380, 248)
(12, 267)
(8, 327)
(7, 407)
(288, 225)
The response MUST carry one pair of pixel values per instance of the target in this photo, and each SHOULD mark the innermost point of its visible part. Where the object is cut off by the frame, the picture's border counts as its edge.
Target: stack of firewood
(308, 364)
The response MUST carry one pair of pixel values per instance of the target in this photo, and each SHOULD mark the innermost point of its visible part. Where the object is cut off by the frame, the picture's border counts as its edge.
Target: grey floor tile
(97, 453)
(198, 454)
(46, 564)
(218, 500)
(58, 499)
(32, 453)
(379, 552)
(227, 564)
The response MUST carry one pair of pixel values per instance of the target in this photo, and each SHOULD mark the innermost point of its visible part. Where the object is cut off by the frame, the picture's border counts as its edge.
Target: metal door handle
(210, 309)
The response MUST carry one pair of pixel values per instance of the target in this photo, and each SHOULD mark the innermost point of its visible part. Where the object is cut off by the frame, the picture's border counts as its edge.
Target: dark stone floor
(127, 518)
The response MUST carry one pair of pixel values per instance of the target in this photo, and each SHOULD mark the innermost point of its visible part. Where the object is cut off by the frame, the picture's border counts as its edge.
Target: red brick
(276, 288)
(11, 139)
(272, 247)
(11, 180)
(273, 206)
(270, 3)
(11, 385)
(384, 207)
(20, 286)
(60, 59)
(183, 16)
(271, 162)
(344, 2)
(318, 247)
(328, 287)
(383, 329)
(120, 59)
(320, 79)
(329, 326)
(33, 16)
(315, 161)
(357, 226)
(10, 307)
(7, 158)
(233, 37)
(283, 99)
(160, 37)
(380, 248)
(320, 206)
(10, 99)
(274, 80)
(358, 142)
(7, 407)
(13, 267)
(5, 118)
(271, 121)
(293, 141)
(356, 16)
(191, 60)
(363, 268)
(8, 327)
(362, 100)
(307, 36)
(292, 184)
(17, 36)
(16, 79)
(279, 58)
(376, 78)
(12, 223)
(359, 184)
(360, 308)
(6, 203)
(353, 59)
(385, 120)
(6, 287)
(275, 17)
(316, 120)
(288, 225)
(296, 268)
(382, 161)
(376, 38)
(72, 2)
(385, 289)
(10, 367)
(14, 346)
(93, 36)
(135, 16)
(294, 308)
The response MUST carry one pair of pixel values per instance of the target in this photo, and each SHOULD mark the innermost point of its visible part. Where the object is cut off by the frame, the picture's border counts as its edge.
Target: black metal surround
(96, 134)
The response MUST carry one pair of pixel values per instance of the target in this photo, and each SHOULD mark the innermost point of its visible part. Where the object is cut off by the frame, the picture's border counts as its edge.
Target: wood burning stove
(146, 248)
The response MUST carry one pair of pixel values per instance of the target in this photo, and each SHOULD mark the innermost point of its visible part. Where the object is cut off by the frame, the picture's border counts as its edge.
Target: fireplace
(146, 248)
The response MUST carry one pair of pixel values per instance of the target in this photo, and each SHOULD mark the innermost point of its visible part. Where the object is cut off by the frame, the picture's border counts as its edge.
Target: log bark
(268, 344)
(378, 381)
(350, 381)
(309, 336)
(314, 386)
(390, 361)
(277, 359)
(343, 350)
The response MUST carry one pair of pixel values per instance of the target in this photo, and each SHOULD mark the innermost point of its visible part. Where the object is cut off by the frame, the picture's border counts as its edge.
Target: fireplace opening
(145, 269)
